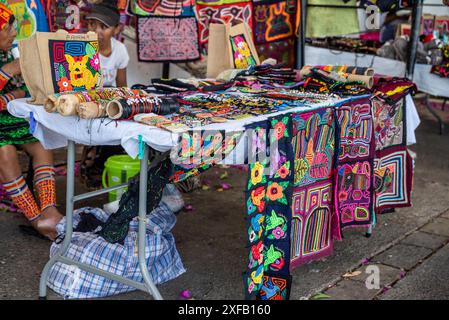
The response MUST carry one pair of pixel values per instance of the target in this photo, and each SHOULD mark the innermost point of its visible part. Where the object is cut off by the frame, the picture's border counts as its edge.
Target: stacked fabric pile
(269, 74)
(326, 82)
(443, 68)
(346, 44)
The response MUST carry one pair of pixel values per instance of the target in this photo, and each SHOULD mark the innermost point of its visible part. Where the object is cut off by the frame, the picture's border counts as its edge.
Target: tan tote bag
(218, 59)
(55, 62)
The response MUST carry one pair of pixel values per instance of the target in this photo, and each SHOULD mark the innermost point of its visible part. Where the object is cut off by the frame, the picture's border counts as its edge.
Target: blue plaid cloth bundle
(163, 260)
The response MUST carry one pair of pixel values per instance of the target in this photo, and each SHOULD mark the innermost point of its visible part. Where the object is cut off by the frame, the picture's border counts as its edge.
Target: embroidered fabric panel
(277, 240)
(313, 222)
(165, 39)
(234, 13)
(275, 288)
(76, 65)
(274, 21)
(389, 123)
(160, 7)
(393, 176)
(256, 208)
(219, 2)
(313, 146)
(199, 150)
(241, 52)
(355, 131)
(268, 209)
(354, 193)
(278, 197)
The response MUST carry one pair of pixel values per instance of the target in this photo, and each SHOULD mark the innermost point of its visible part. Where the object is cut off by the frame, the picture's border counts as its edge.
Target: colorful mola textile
(393, 176)
(76, 65)
(171, 8)
(275, 288)
(234, 13)
(354, 193)
(314, 222)
(200, 150)
(219, 2)
(389, 123)
(166, 39)
(355, 124)
(256, 208)
(354, 170)
(313, 146)
(274, 21)
(268, 197)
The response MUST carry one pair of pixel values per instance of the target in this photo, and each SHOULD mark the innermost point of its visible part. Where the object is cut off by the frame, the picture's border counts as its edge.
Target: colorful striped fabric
(45, 185)
(22, 197)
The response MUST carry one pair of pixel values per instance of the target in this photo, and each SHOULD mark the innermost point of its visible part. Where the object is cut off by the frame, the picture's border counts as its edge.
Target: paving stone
(429, 281)
(403, 256)
(351, 290)
(426, 240)
(439, 226)
(445, 215)
(387, 274)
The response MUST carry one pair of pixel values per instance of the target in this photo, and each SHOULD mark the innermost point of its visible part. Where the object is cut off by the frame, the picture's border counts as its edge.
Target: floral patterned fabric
(268, 211)
(12, 130)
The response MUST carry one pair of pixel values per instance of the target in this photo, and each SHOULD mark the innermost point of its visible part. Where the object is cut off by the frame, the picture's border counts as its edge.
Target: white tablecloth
(426, 82)
(430, 83)
(54, 130)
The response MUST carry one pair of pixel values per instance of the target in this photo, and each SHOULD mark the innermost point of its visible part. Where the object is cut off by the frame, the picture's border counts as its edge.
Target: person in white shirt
(104, 20)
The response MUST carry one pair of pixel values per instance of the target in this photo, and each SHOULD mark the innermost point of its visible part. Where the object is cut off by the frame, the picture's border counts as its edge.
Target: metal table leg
(142, 225)
(148, 285)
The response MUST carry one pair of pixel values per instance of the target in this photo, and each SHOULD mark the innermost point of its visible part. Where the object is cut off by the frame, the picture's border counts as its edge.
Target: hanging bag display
(56, 62)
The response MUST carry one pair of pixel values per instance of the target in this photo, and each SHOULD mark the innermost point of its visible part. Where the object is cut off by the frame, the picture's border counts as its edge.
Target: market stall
(272, 256)
(325, 146)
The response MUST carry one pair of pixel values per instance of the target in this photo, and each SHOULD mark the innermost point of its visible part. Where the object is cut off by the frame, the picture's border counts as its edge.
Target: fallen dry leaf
(352, 274)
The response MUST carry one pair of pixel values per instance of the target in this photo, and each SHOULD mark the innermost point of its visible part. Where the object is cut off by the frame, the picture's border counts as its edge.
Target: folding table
(55, 131)
(64, 131)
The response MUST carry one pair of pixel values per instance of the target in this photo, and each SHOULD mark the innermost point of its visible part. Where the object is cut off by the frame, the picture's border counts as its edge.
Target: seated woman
(14, 134)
